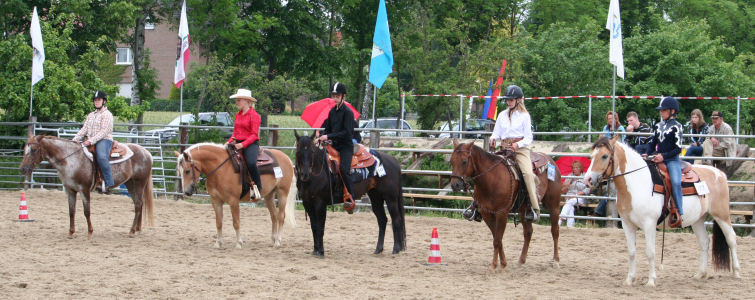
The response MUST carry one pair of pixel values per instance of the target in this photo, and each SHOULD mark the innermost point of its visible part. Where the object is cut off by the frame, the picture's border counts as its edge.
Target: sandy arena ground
(176, 259)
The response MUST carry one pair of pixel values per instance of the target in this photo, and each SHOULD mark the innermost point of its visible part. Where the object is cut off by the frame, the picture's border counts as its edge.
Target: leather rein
(195, 169)
(466, 179)
(604, 176)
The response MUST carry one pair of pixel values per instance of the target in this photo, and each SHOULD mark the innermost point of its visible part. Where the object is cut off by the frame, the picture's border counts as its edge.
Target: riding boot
(471, 213)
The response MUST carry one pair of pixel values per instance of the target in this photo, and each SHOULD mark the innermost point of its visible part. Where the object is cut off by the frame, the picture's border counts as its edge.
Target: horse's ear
(296, 134)
(614, 138)
(186, 155)
(176, 152)
(456, 143)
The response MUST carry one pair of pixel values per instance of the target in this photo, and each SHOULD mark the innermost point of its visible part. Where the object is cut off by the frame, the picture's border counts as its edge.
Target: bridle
(466, 179)
(312, 153)
(604, 175)
(195, 170)
(52, 160)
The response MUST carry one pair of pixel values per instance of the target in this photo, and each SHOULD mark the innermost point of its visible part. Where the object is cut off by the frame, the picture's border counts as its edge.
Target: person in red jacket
(245, 135)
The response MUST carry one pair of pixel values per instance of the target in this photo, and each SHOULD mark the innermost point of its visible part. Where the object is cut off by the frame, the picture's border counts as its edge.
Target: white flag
(183, 54)
(37, 71)
(616, 56)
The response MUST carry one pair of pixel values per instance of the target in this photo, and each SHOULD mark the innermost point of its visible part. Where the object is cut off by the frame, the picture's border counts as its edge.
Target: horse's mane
(602, 142)
(192, 147)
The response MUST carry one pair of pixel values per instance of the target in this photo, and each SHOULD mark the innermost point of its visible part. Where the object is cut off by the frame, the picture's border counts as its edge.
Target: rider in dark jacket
(668, 137)
(339, 129)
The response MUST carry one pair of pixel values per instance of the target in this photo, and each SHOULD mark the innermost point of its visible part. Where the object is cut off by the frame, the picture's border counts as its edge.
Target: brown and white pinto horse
(77, 173)
(495, 190)
(224, 187)
(640, 207)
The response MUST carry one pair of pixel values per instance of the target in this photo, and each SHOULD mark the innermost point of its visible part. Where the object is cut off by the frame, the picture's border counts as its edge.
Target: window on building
(124, 56)
(148, 25)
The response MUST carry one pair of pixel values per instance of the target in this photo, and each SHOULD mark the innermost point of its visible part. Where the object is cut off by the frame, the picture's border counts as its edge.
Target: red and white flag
(183, 54)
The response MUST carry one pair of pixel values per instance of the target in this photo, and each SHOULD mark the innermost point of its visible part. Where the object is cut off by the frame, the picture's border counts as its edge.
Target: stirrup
(531, 215)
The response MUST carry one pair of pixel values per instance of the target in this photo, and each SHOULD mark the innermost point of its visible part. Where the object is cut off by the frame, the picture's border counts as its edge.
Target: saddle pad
(538, 159)
(123, 151)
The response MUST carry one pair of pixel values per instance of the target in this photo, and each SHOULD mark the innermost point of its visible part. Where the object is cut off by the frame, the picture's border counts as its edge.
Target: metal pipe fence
(164, 167)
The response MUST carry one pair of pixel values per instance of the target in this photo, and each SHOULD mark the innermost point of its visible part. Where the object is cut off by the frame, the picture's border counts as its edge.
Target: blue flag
(381, 64)
(488, 100)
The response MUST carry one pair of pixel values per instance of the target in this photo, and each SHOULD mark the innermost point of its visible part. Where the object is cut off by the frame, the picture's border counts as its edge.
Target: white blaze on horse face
(590, 176)
(27, 149)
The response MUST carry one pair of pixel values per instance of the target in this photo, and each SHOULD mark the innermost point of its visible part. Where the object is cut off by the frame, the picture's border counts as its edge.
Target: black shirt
(339, 126)
(668, 137)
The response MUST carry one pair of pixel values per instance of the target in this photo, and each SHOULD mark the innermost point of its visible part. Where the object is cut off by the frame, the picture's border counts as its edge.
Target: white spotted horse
(640, 205)
(77, 172)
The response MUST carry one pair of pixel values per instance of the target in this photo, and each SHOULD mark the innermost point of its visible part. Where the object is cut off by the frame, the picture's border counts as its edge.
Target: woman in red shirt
(246, 130)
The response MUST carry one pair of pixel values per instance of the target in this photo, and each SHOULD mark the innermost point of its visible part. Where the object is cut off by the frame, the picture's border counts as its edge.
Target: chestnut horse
(224, 187)
(495, 190)
(640, 207)
(77, 173)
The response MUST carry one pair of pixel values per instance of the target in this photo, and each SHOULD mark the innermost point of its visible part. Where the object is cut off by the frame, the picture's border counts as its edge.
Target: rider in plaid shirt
(98, 130)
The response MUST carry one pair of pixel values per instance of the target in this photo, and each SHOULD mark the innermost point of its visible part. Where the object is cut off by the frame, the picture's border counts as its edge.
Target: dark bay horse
(77, 173)
(224, 187)
(314, 181)
(495, 190)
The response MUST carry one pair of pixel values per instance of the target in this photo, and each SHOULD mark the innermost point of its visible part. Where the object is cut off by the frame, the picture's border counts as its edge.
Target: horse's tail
(721, 257)
(149, 201)
(290, 219)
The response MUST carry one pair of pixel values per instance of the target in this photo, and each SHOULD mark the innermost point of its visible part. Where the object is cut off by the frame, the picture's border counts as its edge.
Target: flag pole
(31, 102)
(181, 104)
(374, 99)
(613, 102)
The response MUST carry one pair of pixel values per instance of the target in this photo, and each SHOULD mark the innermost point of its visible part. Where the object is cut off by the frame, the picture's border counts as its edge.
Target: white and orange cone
(434, 257)
(23, 210)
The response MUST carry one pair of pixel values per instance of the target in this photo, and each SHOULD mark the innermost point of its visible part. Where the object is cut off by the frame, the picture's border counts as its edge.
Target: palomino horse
(640, 207)
(224, 187)
(77, 173)
(315, 182)
(495, 189)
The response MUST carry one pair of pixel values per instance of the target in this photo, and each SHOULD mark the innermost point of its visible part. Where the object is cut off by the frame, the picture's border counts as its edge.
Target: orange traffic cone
(23, 210)
(434, 257)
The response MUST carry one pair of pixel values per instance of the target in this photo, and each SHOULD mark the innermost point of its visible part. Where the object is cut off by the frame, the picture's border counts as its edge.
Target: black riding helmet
(669, 103)
(100, 94)
(338, 89)
(513, 92)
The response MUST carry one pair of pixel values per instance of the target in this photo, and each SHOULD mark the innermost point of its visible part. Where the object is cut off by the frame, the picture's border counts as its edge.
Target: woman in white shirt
(514, 129)
(573, 186)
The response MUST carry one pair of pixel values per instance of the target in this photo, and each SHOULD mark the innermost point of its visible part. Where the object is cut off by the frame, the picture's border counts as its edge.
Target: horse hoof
(651, 283)
(660, 267)
(699, 276)
(556, 265)
(319, 254)
(628, 282)
(238, 245)
(217, 245)
(380, 250)
(737, 275)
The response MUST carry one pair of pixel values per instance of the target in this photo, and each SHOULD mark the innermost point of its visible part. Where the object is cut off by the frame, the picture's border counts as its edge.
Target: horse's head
(462, 165)
(305, 153)
(602, 162)
(188, 171)
(33, 154)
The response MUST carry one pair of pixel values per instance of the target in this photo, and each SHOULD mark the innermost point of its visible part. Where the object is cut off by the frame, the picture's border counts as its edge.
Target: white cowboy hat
(243, 94)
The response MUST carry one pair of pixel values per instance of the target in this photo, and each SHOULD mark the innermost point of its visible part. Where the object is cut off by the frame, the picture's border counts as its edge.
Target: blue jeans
(641, 148)
(601, 209)
(675, 173)
(103, 148)
(694, 151)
